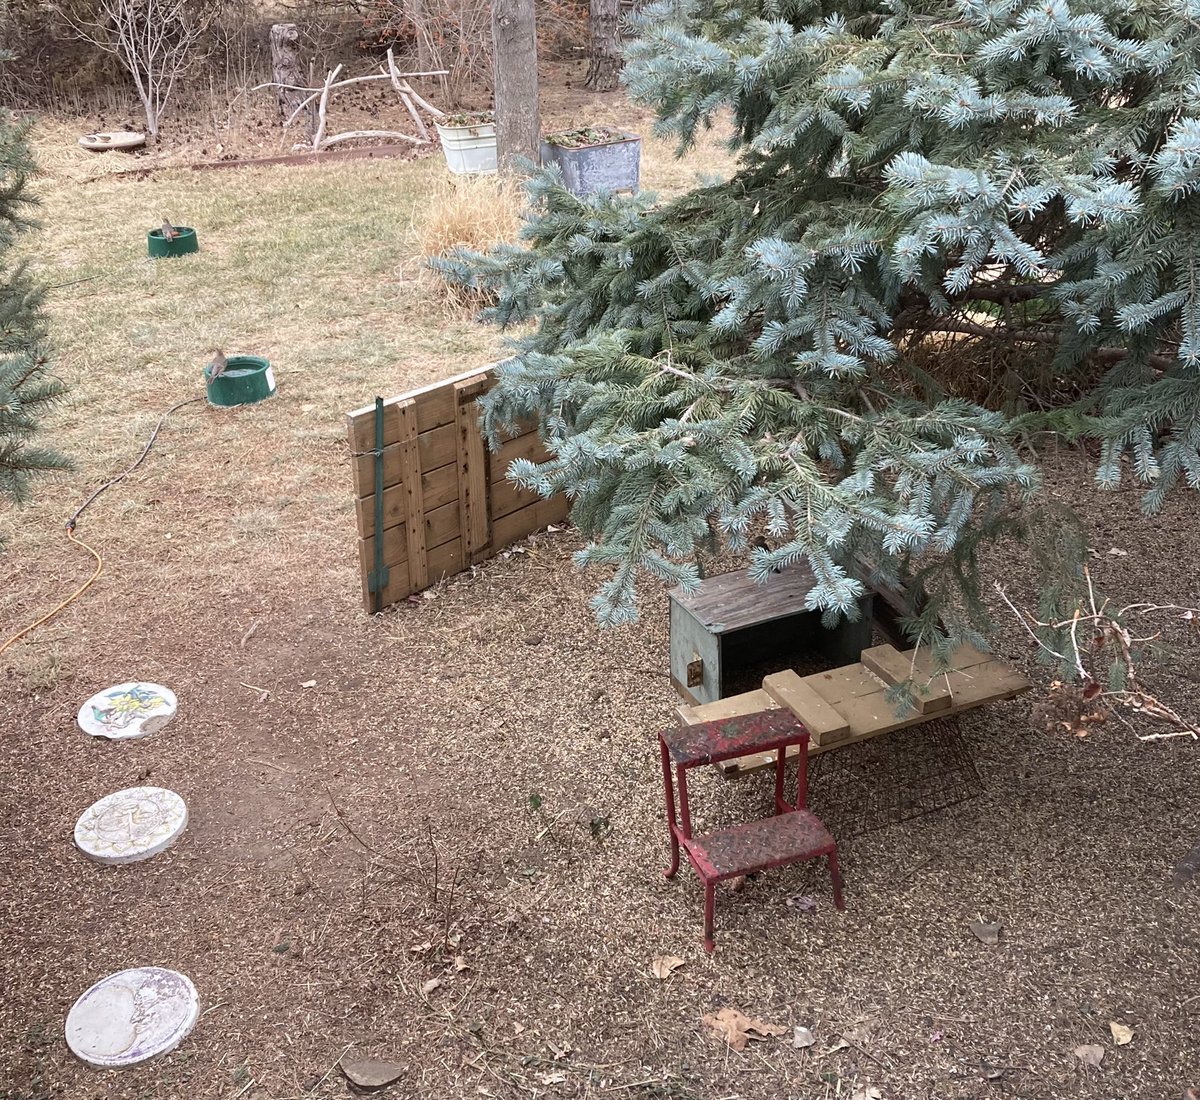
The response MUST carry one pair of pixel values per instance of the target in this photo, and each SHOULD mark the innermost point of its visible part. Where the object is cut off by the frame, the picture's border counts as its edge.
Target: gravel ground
(354, 841)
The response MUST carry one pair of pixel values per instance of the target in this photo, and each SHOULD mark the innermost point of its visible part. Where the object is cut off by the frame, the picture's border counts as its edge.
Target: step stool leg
(669, 793)
(836, 875)
(709, 902)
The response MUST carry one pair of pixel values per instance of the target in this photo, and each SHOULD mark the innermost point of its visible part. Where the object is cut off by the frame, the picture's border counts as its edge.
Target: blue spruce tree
(27, 389)
(1014, 182)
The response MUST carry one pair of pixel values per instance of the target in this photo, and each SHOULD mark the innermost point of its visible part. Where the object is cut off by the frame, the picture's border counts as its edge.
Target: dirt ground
(470, 792)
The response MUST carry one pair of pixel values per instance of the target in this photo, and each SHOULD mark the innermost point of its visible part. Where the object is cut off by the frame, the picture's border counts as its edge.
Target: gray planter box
(614, 166)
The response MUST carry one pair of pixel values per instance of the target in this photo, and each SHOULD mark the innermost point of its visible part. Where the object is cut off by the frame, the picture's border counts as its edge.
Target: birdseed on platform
(132, 1016)
(133, 824)
(135, 709)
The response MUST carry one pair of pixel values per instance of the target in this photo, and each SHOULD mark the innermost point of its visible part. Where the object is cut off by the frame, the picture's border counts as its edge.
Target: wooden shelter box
(732, 624)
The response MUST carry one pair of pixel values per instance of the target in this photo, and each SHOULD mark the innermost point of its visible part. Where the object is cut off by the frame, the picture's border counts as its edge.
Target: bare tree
(514, 64)
(155, 40)
(604, 31)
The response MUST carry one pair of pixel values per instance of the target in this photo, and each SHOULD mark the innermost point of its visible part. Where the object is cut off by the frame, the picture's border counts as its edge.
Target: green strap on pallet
(378, 577)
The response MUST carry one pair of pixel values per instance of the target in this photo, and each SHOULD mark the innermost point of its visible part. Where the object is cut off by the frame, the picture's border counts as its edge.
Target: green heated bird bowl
(245, 380)
(181, 244)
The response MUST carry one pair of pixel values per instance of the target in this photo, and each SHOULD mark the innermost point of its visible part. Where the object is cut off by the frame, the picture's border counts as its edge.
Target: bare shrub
(155, 40)
(440, 34)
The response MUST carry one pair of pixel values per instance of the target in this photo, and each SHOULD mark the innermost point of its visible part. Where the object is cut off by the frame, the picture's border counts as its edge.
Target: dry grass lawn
(354, 841)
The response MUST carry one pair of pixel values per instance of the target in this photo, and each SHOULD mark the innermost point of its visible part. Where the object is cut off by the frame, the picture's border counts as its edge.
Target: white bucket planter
(469, 149)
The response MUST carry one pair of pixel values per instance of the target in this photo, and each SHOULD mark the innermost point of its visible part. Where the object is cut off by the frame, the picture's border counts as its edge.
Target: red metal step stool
(792, 835)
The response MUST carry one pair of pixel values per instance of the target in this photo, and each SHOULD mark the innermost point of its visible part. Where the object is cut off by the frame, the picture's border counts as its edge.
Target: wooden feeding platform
(733, 622)
(847, 705)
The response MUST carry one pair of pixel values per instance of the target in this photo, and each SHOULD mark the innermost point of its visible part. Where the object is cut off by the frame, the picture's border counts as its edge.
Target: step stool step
(757, 845)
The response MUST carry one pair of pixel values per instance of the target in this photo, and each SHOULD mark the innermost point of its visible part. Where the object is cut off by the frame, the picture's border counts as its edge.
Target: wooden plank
(474, 521)
(438, 487)
(824, 724)
(441, 525)
(516, 525)
(435, 407)
(507, 497)
(869, 714)
(930, 694)
(528, 446)
(750, 702)
(414, 502)
(733, 601)
(443, 561)
(439, 447)
(848, 682)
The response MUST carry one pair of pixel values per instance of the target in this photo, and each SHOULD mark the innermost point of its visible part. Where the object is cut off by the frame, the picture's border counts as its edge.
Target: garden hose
(74, 520)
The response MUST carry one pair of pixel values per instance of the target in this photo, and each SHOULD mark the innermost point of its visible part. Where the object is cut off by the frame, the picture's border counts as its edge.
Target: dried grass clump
(473, 212)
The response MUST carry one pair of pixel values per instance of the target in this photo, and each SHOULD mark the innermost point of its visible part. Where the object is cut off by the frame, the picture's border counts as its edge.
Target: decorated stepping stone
(129, 825)
(132, 1016)
(128, 710)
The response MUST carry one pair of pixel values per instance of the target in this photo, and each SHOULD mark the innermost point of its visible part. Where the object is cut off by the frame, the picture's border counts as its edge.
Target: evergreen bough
(1009, 181)
(27, 389)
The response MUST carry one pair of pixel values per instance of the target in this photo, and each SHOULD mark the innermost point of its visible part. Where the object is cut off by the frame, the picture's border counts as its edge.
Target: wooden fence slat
(473, 519)
(414, 509)
(438, 448)
(435, 407)
(438, 487)
(533, 517)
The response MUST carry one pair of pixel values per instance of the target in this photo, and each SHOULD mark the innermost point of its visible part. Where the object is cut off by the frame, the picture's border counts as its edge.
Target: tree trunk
(285, 69)
(604, 30)
(514, 66)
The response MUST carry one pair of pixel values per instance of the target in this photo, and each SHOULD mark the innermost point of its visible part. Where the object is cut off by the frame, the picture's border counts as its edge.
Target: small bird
(169, 232)
(217, 367)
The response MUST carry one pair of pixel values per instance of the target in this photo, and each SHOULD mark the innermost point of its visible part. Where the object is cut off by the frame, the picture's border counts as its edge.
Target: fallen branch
(351, 135)
(1112, 645)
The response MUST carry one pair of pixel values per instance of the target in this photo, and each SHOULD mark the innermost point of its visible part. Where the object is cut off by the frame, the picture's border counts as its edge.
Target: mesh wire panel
(910, 773)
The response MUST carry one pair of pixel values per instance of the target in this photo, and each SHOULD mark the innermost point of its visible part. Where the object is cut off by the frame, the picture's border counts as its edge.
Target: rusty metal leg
(709, 902)
(836, 875)
(669, 793)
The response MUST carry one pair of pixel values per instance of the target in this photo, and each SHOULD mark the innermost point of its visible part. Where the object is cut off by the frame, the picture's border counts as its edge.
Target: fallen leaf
(553, 1078)
(518, 1028)
(803, 902)
(987, 933)
(737, 1029)
(1120, 1033)
(1090, 1055)
(460, 962)
(841, 1044)
(430, 986)
(802, 1038)
(663, 966)
(309, 684)
(1113, 552)
(366, 1073)
(867, 1092)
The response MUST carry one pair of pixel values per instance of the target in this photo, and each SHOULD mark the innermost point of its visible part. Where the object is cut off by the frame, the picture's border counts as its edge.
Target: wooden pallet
(445, 501)
(853, 698)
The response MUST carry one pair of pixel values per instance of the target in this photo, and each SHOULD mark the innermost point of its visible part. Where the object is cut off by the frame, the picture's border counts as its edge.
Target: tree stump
(285, 69)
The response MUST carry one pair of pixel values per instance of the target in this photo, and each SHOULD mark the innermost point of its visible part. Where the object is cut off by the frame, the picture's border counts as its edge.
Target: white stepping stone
(132, 1016)
(129, 825)
(128, 710)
